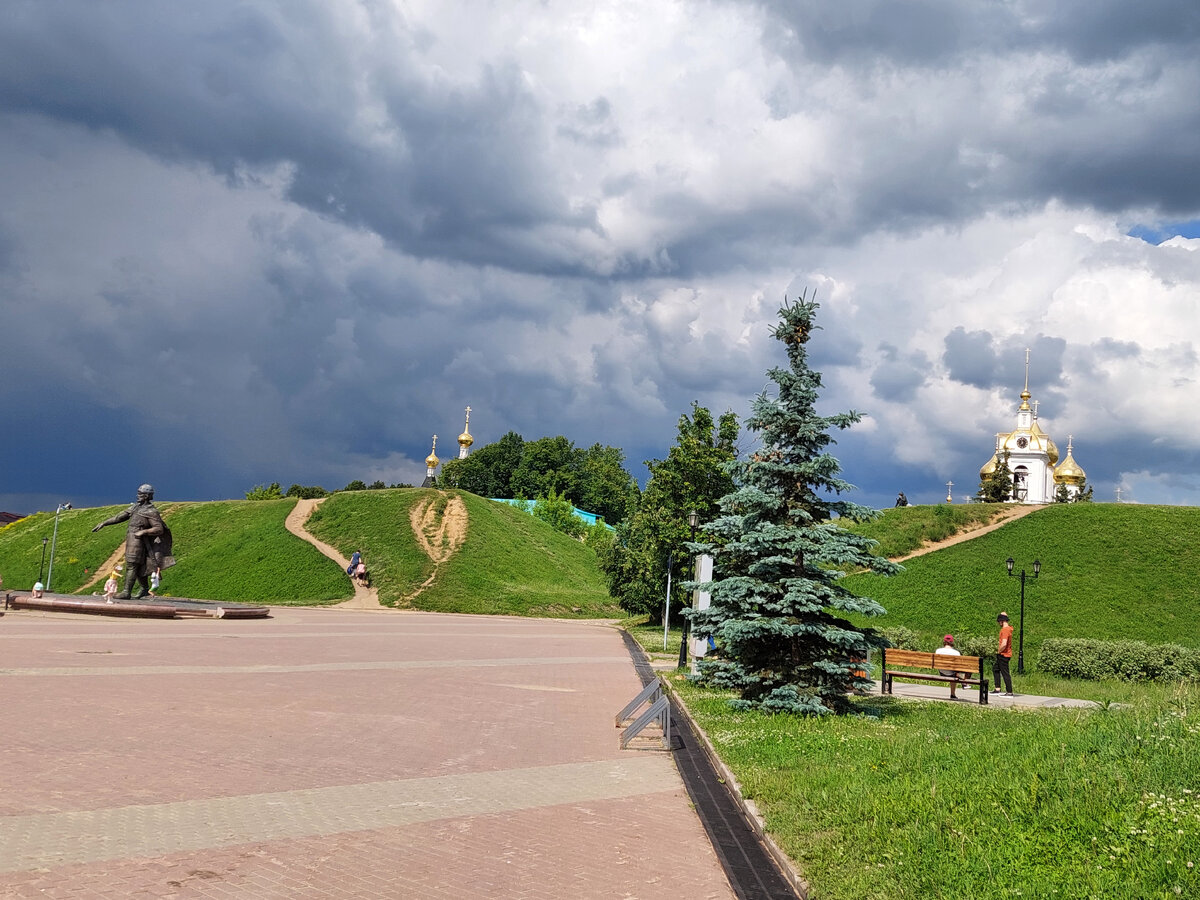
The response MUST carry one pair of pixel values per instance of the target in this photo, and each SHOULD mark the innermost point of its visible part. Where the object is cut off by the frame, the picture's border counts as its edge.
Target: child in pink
(110, 587)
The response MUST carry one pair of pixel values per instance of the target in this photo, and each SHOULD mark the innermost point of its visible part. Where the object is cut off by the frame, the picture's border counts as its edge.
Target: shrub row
(1130, 660)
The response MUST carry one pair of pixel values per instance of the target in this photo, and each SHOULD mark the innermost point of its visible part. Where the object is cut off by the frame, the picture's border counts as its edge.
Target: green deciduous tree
(778, 609)
(692, 477)
(593, 479)
(306, 492)
(270, 492)
(547, 464)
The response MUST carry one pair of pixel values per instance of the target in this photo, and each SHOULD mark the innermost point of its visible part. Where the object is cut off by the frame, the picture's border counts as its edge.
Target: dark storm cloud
(1099, 107)
(935, 32)
(899, 374)
(978, 359)
(970, 357)
(444, 170)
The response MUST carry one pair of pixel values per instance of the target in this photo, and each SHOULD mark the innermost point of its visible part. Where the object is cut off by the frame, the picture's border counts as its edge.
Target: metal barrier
(659, 711)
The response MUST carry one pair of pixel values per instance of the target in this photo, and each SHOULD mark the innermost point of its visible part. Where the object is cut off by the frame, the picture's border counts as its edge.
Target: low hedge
(1129, 660)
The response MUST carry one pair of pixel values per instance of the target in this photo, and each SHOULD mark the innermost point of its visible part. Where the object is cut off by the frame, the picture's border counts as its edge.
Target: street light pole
(42, 564)
(1037, 568)
(54, 543)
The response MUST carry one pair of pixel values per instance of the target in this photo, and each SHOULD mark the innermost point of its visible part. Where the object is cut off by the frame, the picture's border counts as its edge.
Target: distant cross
(468, 418)
(1118, 495)
(1035, 406)
(949, 497)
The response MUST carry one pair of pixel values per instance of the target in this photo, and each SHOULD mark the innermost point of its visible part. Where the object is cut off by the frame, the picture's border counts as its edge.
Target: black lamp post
(1037, 568)
(693, 520)
(42, 564)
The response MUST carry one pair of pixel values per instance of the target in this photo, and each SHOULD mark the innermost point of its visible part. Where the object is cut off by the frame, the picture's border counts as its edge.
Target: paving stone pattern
(333, 753)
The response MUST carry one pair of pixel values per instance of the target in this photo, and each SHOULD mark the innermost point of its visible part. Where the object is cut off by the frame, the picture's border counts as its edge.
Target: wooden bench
(959, 665)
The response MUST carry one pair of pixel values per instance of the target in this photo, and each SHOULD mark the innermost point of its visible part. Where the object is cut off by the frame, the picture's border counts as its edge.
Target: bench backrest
(920, 660)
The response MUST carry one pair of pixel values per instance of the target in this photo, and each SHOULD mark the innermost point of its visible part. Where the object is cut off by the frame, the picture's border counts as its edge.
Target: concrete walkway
(999, 701)
(333, 753)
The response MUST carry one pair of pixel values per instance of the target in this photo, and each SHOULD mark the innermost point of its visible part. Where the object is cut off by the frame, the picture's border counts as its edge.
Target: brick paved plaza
(332, 753)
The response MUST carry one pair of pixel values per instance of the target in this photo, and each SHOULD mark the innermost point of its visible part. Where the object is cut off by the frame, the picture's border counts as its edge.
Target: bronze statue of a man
(147, 542)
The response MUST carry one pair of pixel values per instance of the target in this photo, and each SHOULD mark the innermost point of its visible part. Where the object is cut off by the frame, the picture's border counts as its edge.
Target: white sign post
(701, 600)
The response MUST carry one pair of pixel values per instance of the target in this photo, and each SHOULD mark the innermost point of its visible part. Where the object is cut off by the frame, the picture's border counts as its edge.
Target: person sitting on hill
(360, 574)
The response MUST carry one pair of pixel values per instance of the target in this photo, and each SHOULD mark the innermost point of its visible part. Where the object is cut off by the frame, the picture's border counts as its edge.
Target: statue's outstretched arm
(114, 520)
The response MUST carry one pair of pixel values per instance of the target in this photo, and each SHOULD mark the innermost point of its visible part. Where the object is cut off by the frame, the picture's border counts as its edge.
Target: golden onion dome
(988, 469)
(431, 461)
(465, 439)
(1070, 472)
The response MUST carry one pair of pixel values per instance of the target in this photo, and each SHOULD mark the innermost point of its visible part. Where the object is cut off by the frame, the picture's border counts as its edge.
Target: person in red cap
(1003, 657)
(948, 649)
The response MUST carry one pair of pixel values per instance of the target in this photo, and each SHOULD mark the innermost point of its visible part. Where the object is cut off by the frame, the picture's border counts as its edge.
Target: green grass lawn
(513, 563)
(77, 549)
(239, 550)
(902, 530)
(1109, 571)
(376, 523)
(909, 801)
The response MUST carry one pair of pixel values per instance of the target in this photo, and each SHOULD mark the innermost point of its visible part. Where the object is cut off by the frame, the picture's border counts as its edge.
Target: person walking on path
(1003, 657)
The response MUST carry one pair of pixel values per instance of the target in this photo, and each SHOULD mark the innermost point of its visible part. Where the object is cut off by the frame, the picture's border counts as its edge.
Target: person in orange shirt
(1003, 657)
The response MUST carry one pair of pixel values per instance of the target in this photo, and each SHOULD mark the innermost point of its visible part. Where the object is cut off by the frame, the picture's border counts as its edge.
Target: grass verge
(908, 801)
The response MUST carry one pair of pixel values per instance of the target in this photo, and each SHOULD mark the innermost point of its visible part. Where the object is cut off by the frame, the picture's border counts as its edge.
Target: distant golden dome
(465, 440)
(1070, 472)
(431, 461)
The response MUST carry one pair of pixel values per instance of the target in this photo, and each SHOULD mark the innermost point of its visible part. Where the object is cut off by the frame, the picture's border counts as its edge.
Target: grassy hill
(509, 562)
(228, 550)
(1108, 571)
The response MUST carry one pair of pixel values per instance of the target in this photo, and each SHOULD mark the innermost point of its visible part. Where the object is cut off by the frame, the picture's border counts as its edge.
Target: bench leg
(983, 692)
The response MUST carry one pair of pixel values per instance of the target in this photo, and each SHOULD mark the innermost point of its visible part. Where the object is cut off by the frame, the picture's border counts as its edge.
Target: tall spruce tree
(777, 613)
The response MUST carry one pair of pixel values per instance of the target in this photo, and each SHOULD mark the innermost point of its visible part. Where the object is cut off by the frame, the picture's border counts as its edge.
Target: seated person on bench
(947, 649)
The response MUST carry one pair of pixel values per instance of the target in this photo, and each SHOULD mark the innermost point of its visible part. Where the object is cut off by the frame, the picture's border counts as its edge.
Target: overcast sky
(252, 241)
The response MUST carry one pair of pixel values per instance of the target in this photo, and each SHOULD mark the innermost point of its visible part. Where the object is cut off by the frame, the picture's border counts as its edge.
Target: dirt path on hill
(440, 532)
(364, 597)
(1007, 515)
